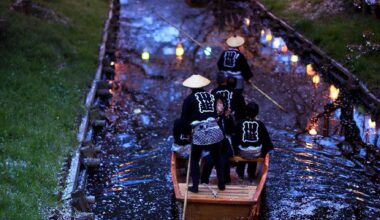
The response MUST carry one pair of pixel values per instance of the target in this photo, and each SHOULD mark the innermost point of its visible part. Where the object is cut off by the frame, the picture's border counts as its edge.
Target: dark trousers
(209, 164)
(215, 151)
(240, 169)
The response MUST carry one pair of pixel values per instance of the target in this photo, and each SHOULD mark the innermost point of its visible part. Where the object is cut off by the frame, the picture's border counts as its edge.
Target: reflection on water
(308, 182)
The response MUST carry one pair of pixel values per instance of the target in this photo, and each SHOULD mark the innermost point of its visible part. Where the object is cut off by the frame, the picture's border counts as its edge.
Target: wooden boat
(240, 199)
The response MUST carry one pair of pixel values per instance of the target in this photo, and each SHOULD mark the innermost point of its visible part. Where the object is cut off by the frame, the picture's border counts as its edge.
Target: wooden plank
(260, 187)
(73, 175)
(231, 193)
(218, 211)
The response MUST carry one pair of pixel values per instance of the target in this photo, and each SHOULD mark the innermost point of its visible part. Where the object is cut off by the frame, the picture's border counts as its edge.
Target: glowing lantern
(316, 79)
(207, 51)
(334, 92)
(294, 58)
(262, 32)
(112, 63)
(179, 51)
(145, 55)
(276, 43)
(313, 132)
(284, 49)
(310, 70)
(269, 37)
(247, 21)
(371, 124)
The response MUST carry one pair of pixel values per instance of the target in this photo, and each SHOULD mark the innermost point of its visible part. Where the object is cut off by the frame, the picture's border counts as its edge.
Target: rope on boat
(214, 193)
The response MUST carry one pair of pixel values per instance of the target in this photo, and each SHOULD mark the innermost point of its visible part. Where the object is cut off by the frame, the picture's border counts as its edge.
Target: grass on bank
(45, 68)
(333, 33)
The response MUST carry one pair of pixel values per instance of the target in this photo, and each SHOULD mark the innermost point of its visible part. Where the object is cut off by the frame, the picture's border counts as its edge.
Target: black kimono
(198, 106)
(251, 132)
(231, 100)
(235, 64)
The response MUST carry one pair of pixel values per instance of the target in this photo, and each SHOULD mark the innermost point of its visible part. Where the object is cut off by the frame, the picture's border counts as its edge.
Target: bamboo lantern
(334, 93)
(145, 55)
(371, 124)
(294, 59)
(284, 49)
(310, 70)
(316, 80)
(247, 21)
(313, 132)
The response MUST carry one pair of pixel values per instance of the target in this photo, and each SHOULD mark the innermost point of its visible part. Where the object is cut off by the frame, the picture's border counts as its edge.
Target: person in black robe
(227, 125)
(237, 102)
(234, 64)
(251, 133)
(199, 114)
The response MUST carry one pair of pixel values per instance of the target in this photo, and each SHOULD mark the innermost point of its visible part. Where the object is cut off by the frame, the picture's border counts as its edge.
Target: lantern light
(310, 70)
(294, 58)
(284, 49)
(145, 55)
(269, 37)
(276, 43)
(334, 93)
(247, 21)
(262, 32)
(207, 51)
(316, 79)
(179, 51)
(112, 63)
(313, 132)
(371, 124)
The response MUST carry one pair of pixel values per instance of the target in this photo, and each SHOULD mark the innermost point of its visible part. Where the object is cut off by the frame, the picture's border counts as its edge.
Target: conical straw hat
(235, 41)
(196, 81)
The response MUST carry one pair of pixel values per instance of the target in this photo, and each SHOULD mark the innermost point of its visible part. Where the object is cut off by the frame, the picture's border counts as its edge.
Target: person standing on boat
(234, 64)
(251, 140)
(227, 125)
(237, 102)
(199, 116)
(234, 103)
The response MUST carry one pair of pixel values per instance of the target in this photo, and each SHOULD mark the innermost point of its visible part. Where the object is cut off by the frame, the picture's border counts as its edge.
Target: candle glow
(207, 51)
(371, 124)
(310, 70)
(269, 37)
(316, 79)
(179, 51)
(276, 43)
(294, 58)
(247, 21)
(145, 55)
(313, 132)
(334, 93)
(284, 49)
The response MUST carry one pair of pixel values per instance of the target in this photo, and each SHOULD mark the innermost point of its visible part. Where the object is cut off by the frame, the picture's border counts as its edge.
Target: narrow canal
(310, 177)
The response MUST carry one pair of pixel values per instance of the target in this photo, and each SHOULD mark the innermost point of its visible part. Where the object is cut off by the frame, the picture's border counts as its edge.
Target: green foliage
(334, 32)
(45, 69)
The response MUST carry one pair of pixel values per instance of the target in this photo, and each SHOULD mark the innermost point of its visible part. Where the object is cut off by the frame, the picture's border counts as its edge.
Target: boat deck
(242, 193)
(238, 191)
